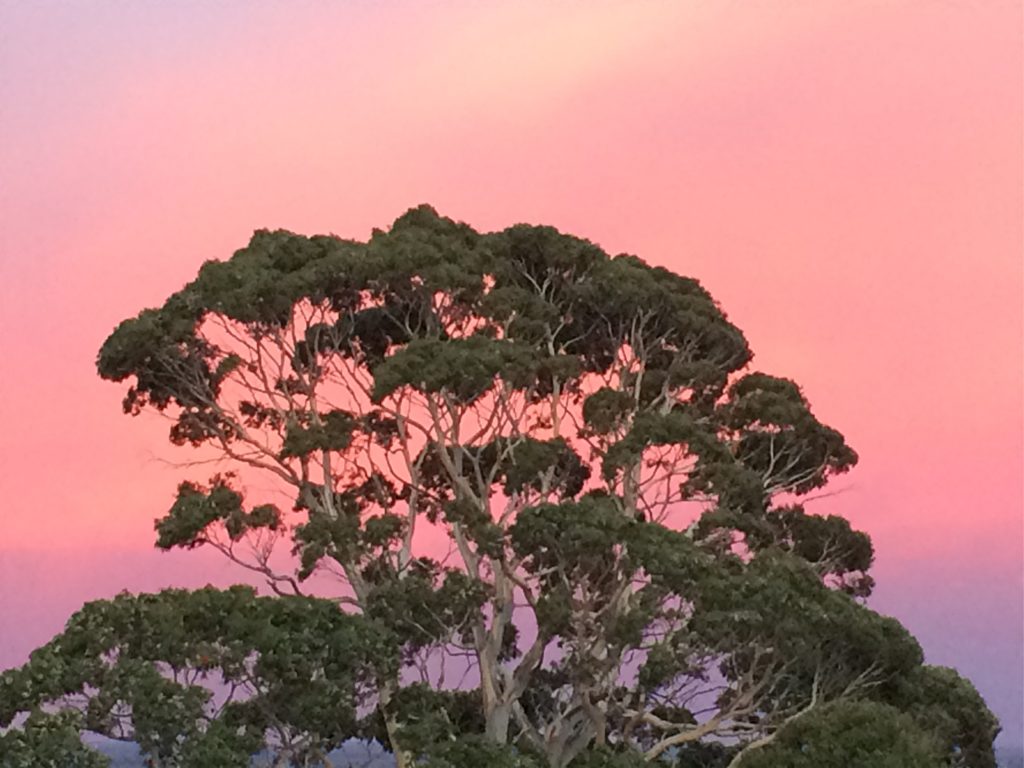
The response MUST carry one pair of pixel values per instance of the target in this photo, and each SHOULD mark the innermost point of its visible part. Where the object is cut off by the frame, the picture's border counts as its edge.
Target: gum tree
(628, 565)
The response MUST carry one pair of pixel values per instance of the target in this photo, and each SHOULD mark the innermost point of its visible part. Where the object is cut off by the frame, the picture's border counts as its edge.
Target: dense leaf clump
(569, 519)
(199, 678)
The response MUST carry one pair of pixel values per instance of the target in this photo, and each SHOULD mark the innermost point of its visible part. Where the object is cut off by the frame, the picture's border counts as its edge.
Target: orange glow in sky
(845, 178)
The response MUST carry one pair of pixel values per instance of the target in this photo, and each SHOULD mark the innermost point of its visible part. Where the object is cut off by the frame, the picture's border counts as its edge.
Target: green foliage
(607, 409)
(703, 755)
(579, 539)
(654, 429)
(138, 667)
(774, 617)
(196, 509)
(817, 633)
(473, 751)
(607, 758)
(776, 427)
(331, 432)
(529, 464)
(428, 717)
(48, 741)
(428, 605)
(850, 734)
(948, 706)
(462, 368)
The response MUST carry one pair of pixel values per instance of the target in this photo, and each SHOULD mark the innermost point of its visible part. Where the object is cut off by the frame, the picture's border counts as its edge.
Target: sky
(845, 178)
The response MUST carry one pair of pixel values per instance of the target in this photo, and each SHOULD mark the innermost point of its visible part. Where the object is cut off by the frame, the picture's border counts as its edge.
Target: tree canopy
(630, 573)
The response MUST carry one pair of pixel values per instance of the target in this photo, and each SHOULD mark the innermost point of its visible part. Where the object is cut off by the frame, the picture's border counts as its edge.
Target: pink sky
(844, 177)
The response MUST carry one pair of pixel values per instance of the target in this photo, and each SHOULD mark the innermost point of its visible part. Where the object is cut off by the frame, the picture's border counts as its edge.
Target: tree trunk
(402, 758)
(498, 721)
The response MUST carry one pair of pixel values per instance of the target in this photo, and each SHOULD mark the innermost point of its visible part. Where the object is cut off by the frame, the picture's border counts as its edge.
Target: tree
(630, 572)
(205, 678)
